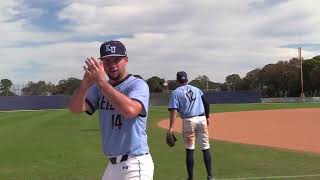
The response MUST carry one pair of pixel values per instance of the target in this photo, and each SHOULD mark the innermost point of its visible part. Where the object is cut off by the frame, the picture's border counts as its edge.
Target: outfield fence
(33, 102)
(156, 99)
(291, 100)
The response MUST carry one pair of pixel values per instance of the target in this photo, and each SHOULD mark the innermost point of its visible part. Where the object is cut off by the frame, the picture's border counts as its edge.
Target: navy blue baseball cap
(182, 76)
(112, 49)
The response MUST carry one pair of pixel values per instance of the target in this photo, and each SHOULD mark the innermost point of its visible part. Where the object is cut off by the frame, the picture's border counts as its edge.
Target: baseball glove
(171, 139)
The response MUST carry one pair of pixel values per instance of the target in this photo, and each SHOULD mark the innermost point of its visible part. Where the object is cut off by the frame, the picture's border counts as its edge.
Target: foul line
(270, 177)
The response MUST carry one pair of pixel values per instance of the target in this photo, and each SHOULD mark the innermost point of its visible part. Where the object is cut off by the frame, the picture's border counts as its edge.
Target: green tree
(67, 86)
(155, 84)
(251, 81)
(202, 82)
(233, 81)
(172, 84)
(5, 85)
(309, 76)
(315, 80)
(39, 88)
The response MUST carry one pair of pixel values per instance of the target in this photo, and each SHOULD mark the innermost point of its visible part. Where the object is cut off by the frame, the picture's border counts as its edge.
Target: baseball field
(56, 145)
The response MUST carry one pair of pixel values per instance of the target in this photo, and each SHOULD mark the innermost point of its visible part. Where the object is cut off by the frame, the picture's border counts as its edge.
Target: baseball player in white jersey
(194, 111)
(122, 103)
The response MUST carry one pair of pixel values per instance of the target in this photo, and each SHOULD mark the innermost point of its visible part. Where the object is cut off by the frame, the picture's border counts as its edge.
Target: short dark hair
(182, 81)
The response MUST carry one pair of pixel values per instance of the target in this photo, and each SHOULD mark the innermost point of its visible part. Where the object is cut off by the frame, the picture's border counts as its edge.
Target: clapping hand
(94, 71)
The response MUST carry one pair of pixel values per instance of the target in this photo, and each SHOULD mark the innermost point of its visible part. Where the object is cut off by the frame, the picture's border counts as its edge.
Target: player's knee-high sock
(207, 161)
(190, 163)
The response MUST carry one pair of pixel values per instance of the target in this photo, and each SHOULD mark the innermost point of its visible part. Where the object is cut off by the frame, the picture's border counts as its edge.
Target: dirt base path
(296, 129)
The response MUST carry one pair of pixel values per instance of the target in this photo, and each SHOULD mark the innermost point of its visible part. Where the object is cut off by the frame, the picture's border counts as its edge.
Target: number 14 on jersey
(116, 121)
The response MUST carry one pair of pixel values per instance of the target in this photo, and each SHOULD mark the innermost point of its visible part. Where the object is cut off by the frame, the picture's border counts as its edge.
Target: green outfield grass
(56, 145)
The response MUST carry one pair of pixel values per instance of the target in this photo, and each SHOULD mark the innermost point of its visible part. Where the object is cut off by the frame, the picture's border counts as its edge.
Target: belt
(122, 158)
(194, 116)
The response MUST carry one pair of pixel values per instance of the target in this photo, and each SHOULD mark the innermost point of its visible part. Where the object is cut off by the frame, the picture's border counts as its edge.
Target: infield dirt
(295, 129)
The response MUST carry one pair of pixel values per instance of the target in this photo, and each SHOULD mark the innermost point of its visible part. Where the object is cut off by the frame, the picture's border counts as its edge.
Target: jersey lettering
(105, 105)
(102, 103)
(190, 96)
(116, 121)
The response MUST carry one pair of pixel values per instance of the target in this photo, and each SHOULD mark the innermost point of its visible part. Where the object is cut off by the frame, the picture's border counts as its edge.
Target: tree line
(282, 79)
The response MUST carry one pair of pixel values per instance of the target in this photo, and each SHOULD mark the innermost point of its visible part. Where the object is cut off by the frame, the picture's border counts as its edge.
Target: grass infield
(56, 145)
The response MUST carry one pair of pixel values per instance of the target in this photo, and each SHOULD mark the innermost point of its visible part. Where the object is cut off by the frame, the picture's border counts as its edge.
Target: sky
(49, 40)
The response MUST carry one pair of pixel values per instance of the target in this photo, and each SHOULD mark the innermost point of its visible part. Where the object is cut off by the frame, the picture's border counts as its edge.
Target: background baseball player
(122, 103)
(194, 111)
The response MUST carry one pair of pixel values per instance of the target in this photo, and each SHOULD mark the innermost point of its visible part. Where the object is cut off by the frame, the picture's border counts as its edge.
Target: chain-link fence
(16, 89)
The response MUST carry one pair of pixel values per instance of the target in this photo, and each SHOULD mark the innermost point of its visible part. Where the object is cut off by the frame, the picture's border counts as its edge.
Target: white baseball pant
(134, 168)
(195, 129)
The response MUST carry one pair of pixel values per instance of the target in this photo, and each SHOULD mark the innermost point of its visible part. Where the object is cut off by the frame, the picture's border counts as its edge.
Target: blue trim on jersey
(89, 113)
(117, 83)
(143, 108)
(92, 109)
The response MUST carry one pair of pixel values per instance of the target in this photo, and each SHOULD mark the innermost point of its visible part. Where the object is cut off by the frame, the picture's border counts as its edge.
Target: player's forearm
(171, 125)
(122, 103)
(206, 106)
(173, 116)
(77, 102)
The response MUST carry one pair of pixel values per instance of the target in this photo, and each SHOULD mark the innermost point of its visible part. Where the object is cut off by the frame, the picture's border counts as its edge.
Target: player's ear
(126, 59)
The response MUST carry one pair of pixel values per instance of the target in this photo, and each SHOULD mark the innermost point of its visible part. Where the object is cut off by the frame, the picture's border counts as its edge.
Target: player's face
(115, 67)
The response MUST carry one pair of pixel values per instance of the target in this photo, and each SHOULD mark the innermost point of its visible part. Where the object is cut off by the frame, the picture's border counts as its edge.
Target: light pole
(301, 76)
(207, 85)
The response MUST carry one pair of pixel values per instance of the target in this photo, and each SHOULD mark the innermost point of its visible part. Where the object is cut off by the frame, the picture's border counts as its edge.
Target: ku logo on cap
(112, 49)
